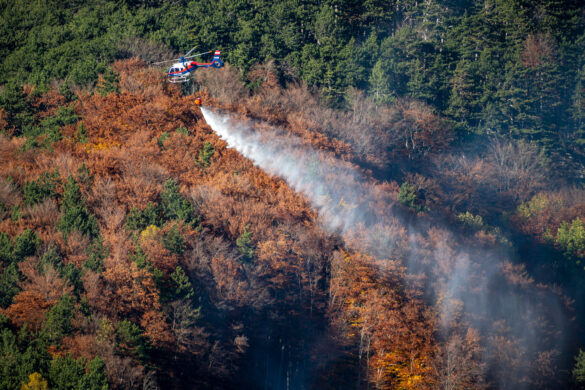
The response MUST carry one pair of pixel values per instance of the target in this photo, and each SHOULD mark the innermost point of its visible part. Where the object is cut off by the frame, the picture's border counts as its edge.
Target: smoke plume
(520, 322)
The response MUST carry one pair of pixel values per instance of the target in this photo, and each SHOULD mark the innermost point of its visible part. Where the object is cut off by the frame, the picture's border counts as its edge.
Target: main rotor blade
(200, 54)
(184, 58)
(189, 52)
(162, 62)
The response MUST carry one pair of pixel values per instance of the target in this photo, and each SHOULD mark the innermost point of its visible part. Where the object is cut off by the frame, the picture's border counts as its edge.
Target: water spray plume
(473, 289)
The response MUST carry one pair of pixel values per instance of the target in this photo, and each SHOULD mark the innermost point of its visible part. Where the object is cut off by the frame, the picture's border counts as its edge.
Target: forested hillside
(138, 251)
(494, 67)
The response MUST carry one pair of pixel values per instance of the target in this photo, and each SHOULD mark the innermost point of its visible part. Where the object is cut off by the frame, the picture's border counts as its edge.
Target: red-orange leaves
(393, 328)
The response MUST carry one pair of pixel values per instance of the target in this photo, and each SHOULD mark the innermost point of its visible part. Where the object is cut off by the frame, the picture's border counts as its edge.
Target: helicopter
(179, 72)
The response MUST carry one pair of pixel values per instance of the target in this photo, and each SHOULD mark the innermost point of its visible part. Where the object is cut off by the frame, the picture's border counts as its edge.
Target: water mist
(479, 287)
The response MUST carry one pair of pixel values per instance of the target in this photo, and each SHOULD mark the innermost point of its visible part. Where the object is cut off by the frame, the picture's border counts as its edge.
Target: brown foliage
(542, 215)
(47, 104)
(42, 215)
(371, 304)
(77, 245)
(459, 360)
(9, 195)
(28, 307)
(416, 131)
(47, 284)
(125, 291)
(517, 167)
(395, 331)
(223, 84)
(538, 49)
(230, 284)
(40, 291)
(159, 256)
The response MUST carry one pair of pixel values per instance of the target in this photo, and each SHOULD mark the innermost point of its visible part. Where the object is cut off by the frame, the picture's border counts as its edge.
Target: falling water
(349, 202)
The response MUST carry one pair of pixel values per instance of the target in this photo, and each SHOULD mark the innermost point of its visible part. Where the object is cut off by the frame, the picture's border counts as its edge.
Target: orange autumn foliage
(394, 329)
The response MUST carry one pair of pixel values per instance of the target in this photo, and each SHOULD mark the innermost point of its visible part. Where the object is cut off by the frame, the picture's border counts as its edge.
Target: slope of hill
(137, 250)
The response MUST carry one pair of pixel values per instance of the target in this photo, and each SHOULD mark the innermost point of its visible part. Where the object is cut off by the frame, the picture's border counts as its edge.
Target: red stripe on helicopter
(189, 68)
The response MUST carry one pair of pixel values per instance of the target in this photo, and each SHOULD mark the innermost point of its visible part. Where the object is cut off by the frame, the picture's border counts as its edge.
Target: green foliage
(44, 187)
(48, 131)
(10, 377)
(467, 61)
(244, 244)
(66, 373)
(182, 131)
(95, 377)
(21, 355)
(84, 176)
(174, 206)
(406, 196)
(52, 259)
(204, 158)
(579, 368)
(71, 194)
(67, 92)
(25, 244)
(380, 85)
(5, 248)
(161, 140)
(182, 284)
(74, 213)
(4, 321)
(17, 107)
(97, 253)
(73, 274)
(81, 134)
(58, 320)
(536, 206)
(473, 222)
(130, 340)
(9, 279)
(571, 238)
(174, 240)
(64, 116)
(15, 213)
(109, 82)
(140, 258)
(139, 219)
(160, 280)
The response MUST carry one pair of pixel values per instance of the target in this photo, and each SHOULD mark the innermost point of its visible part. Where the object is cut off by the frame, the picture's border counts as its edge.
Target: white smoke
(352, 204)
(317, 176)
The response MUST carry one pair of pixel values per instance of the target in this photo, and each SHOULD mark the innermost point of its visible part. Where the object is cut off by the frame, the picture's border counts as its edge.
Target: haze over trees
(138, 251)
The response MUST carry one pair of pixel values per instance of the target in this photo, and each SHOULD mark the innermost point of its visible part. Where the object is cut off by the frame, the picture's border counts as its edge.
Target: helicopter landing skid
(179, 79)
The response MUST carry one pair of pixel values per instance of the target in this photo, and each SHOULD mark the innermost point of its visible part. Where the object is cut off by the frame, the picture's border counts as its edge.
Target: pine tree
(9, 279)
(95, 377)
(244, 244)
(58, 320)
(380, 84)
(183, 286)
(74, 213)
(17, 105)
(174, 206)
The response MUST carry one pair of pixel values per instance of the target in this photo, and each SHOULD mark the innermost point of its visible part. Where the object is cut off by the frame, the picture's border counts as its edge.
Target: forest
(432, 234)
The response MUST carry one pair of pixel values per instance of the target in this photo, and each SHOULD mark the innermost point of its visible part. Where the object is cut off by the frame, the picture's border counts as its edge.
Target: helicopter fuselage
(179, 71)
